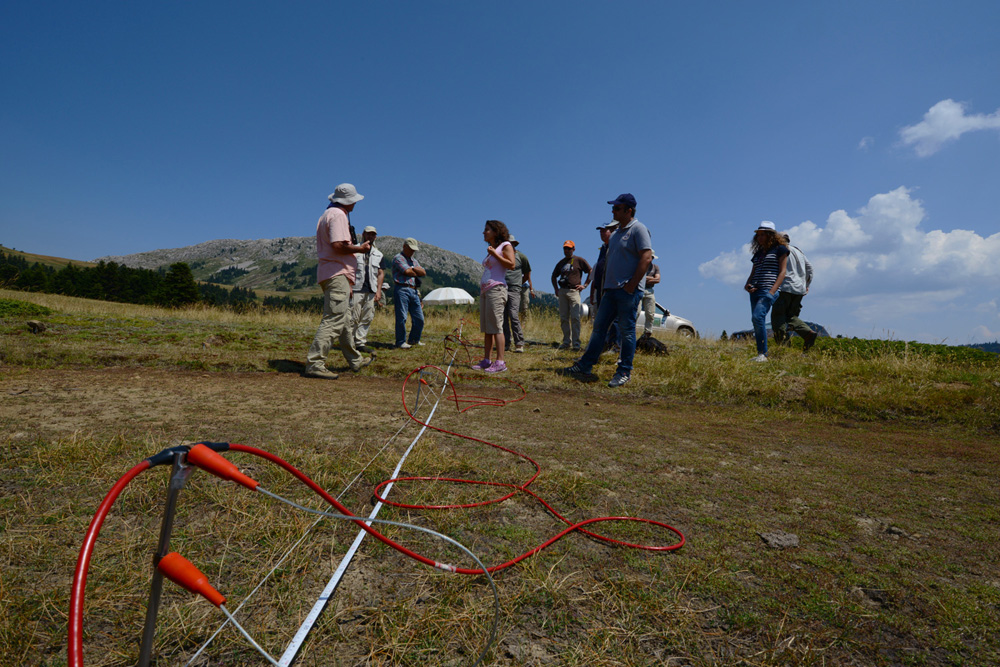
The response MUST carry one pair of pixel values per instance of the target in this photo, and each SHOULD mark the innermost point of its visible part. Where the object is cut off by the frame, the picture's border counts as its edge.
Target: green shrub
(13, 308)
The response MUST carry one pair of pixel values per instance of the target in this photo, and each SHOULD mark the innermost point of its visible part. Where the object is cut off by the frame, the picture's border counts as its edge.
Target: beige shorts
(491, 305)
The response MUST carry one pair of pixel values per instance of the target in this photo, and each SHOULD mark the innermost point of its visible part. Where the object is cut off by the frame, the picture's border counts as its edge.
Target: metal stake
(178, 476)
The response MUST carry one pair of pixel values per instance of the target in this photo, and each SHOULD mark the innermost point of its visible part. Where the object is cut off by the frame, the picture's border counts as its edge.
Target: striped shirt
(766, 267)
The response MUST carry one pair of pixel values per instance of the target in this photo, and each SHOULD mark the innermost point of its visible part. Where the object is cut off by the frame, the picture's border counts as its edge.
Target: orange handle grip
(182, 572)
(215, 463)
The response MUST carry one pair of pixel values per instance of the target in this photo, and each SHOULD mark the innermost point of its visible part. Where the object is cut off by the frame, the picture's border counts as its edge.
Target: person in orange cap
(567, 282)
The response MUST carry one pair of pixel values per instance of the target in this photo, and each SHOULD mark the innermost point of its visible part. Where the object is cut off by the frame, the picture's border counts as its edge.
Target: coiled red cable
(515, 488)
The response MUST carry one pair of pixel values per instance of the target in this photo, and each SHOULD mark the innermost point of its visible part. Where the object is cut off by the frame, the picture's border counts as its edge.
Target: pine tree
(179, 287)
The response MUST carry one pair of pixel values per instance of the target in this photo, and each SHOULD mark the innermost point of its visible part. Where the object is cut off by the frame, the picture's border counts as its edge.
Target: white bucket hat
(345, 194)
(767, 225)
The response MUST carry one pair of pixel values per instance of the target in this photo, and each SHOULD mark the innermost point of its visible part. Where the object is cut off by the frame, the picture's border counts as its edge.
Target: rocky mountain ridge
(286, 264)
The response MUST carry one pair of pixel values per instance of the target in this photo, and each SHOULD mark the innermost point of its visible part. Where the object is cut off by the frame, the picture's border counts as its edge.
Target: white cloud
(866, 143)
(882, 250)
(731, 268)
(985, 334)
(988, 308)
(881, 307)
(944, 122)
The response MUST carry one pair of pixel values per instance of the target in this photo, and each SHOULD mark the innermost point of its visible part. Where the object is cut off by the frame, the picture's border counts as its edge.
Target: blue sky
(869, 130)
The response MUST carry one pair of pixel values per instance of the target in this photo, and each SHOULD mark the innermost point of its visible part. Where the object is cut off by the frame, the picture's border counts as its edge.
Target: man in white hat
(367, 289)
(336, 273)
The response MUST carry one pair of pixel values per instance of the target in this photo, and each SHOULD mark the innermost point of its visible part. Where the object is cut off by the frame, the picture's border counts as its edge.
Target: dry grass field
(881, 460)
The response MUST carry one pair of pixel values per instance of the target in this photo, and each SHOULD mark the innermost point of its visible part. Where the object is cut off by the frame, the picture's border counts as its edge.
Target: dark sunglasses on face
(617, 208)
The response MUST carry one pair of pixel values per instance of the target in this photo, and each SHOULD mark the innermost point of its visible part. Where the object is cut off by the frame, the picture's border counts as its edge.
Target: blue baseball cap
(626, 200)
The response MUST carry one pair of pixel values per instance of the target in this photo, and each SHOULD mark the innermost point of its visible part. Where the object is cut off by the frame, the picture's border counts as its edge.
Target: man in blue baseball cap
(630, 252)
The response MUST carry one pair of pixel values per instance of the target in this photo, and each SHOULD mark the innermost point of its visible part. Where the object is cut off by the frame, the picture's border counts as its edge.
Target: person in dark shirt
(597, 284)
(567, 282)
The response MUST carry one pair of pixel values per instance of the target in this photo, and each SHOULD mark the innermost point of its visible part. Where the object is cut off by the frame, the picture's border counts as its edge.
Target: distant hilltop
(288, 265)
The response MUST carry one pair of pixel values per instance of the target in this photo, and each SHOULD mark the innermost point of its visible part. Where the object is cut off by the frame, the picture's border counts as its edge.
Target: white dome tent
(447, 296)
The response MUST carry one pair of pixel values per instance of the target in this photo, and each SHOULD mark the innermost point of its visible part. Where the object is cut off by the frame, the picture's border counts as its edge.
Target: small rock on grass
(780, 539)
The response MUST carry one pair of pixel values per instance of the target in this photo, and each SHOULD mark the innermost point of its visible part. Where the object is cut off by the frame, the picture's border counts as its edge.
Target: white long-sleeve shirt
(798, 272)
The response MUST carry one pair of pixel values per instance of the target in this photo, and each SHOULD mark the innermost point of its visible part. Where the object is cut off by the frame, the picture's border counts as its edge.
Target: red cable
(477, 401)
(74, 648)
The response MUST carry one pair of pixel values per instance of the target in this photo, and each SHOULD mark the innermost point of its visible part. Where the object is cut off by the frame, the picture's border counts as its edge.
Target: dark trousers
(785, 316)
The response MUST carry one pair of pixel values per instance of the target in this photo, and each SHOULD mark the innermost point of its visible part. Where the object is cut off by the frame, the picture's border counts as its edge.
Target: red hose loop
(476, 401)
(74, 647)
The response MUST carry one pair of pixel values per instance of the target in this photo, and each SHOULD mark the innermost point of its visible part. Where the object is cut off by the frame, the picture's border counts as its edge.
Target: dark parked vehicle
(820, 330)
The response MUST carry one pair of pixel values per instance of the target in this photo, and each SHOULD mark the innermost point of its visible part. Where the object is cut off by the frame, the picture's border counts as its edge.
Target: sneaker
(405, 346)
(519, 349)
(482, 365)
(322, 373)
(577, 372)
(808, 341)
(759, 359)
(496, 367)
(564, 346)
(619, 379)
(419, 343)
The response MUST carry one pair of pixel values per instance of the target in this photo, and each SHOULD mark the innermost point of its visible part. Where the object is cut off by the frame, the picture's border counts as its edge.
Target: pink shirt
(333, 226)
(493, 270)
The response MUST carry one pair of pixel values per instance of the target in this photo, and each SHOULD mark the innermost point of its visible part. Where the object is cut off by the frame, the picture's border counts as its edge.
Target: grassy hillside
(840, 507)
(55, 262)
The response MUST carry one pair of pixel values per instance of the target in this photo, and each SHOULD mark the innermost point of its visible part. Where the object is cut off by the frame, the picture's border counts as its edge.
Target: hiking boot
(759, 359)
(322, 373)
(496, 367)
(364, 362)
(405, 346)
(577, 372)
(619, 379)
(809, 340)
(482, 365)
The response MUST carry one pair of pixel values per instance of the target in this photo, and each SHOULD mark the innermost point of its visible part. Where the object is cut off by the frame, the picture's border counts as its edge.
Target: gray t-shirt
(624, 248)
(513, 276)
(651, 271)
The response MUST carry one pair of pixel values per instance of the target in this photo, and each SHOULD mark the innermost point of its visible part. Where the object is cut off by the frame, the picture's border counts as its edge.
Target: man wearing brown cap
(406, 272)
(567, 283)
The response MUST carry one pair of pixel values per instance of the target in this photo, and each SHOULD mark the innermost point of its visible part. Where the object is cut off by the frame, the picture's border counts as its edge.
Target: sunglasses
(617, 208)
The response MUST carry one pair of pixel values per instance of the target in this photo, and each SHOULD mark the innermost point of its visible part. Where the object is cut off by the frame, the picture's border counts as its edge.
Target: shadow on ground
(287, 366)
